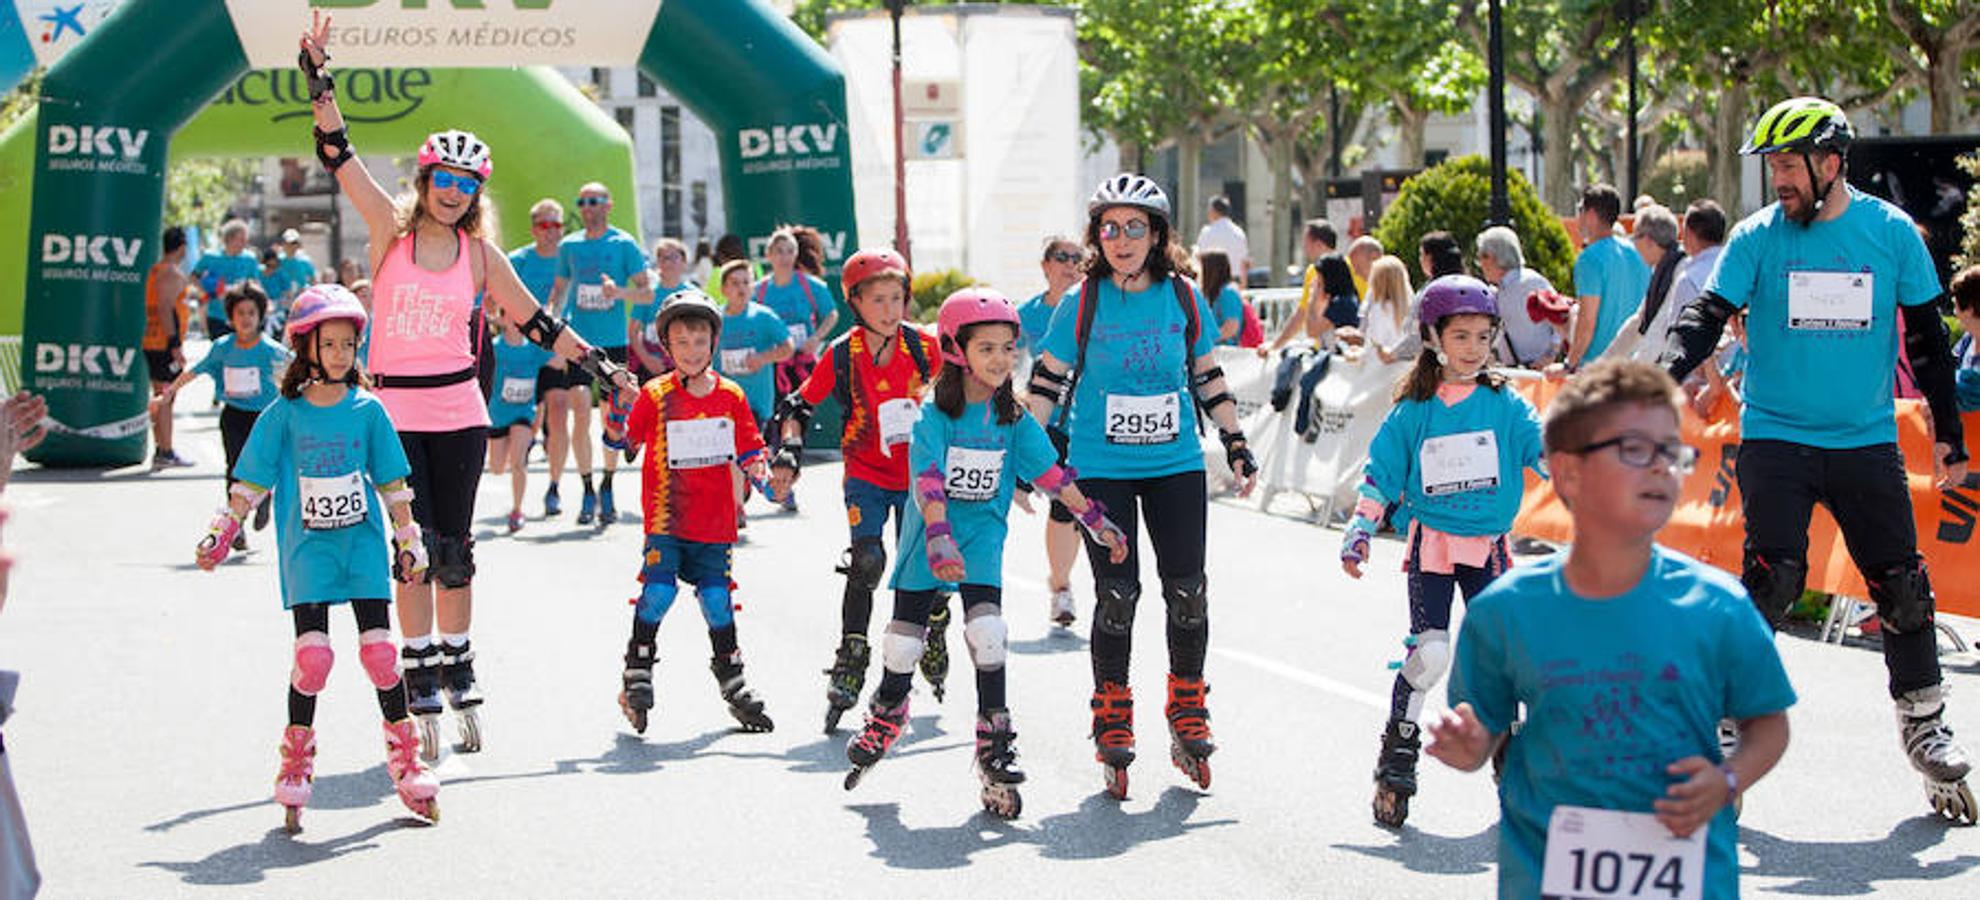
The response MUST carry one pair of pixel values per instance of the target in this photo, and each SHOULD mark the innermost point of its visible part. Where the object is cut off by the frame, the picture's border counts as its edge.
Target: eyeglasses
(1638, 451)
(670, 256)
(466, 184)
(1112, 231)
(593, 201)
(1061, 256)
(546, 226)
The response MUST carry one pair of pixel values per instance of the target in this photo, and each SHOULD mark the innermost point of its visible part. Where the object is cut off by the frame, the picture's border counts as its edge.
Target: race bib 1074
(1604, 853)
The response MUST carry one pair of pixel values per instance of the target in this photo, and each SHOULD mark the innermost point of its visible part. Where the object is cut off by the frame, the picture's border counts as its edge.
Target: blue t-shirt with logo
(1229, 308)
(1615, 690)
(513, 399)
(246, 378)
(1612, 270)
(1459, 469)
(1821, 328)
(1035, 318)
(216, 272)
(753, 330)
(1132, 415)
(580, 262)
(803, 304)
(537, 272)
(299, 270)
(298, 448)
(980, 460)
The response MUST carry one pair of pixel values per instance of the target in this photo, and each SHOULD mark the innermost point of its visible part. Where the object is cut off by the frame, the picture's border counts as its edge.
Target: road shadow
(250, 863)
(1058, 640)
(632, 754)
(828, 753)
(1840, 868)
(1434, 854)
(342, 790)
(1099, 829)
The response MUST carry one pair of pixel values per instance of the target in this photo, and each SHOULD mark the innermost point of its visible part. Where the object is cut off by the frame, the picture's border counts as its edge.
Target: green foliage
(200, 191)
(1969, 221)
(1454, 197)
(21, 100)
(1677, 178)
(930, 289)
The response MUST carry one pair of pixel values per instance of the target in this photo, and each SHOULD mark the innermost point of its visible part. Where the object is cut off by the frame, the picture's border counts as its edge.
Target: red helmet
(871, 264)
(970, 306)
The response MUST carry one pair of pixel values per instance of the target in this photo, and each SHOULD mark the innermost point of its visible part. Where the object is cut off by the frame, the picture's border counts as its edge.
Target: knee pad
(1113, 608)
(1428, 659)
(1903, 594)
(900, 652)
(655, 598)
(1188, 599)
(716, 606)
(313, 660)
(379, 657)
(453, 561)
(987, 636)
(1775, 583)
(866, 564)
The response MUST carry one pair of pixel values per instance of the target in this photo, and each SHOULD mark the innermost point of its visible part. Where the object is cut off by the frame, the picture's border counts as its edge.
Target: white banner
(54, 27)
(440, 33)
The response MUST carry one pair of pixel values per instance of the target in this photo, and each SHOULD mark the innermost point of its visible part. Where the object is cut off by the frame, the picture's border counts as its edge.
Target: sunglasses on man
(593, 201)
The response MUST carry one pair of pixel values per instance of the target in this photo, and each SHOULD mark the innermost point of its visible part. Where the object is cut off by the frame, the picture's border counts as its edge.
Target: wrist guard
(1237, 453)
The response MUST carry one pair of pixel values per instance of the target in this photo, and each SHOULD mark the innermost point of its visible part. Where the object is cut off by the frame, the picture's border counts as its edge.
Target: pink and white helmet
(322, 303)
(459, 149)
(970, 306)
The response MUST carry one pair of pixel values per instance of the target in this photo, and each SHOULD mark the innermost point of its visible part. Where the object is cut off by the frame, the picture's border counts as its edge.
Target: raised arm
(333, 145)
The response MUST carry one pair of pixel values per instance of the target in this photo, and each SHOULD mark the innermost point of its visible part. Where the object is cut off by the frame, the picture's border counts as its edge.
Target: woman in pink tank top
(430, 257)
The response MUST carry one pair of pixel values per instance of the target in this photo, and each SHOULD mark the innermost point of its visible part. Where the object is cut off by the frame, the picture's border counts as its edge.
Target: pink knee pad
(313, 660)
(379, 657)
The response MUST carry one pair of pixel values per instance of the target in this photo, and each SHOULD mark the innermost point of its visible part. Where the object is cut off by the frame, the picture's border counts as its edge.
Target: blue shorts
(669, 558)
(867, 506)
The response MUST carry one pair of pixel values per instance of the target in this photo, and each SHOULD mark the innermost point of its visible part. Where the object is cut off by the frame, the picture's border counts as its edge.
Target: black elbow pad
(1696, 334)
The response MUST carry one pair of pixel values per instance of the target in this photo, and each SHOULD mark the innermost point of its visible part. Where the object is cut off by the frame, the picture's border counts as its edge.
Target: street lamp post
(1629, 41)
(894, 8)
(1500, 210)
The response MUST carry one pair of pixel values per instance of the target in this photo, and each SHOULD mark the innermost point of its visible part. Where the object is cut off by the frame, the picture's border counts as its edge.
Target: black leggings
(446, 469)
(371, 615)
(911, 611)
(1176, 511)
(235, 426)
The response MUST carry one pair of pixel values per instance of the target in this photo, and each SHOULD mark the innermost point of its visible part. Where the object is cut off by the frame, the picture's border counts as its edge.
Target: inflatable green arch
(110, 108)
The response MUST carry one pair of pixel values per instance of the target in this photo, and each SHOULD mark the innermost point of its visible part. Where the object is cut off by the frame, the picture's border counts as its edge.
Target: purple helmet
(321, 303)
(1454, 295)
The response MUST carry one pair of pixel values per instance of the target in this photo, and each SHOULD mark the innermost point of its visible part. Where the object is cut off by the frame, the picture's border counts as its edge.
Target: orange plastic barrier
(1707, 522)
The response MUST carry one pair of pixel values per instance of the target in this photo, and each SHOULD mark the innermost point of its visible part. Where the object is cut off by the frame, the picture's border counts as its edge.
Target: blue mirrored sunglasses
(466, 184)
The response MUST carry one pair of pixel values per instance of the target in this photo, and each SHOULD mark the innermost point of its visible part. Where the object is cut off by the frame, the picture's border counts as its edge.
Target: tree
(1407, 54)
(1939, 35)
(1453, 197)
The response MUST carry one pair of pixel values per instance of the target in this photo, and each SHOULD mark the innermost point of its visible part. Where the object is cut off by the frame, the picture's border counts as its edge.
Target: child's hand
(219, 540)
(1023, 501)
(1352, 567)
(608, 290)
(1694, 801)
(408, 553)
(757, 470)
(944, 557)
(1459, 739)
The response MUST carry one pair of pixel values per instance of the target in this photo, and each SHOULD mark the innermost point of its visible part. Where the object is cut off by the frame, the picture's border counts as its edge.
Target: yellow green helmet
(1797, 126)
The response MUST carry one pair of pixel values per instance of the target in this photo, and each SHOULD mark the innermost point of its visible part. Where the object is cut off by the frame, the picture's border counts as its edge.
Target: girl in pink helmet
(326, 448)
(967, 456)
(431, 256)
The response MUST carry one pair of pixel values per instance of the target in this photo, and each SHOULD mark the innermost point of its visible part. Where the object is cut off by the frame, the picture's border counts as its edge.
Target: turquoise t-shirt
(299, 270)
(980, 461)
(1615, 690)
(803, 304)
(1229, 308)
(215, 272)
(1473, 456)
(277, 286)
(537, 272)
(643, 313)
(753, 330)
(513, 399)
(338, 455)
(1132, 415)
(1612, 270)
(1824, 378)
(1035, 318)
(247, 378)
(580, 262)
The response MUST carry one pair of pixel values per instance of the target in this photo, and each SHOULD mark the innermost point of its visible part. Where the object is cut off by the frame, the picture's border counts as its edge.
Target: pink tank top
(420, 324)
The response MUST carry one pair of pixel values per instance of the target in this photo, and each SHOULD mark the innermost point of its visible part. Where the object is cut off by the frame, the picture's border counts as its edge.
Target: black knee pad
(866, 564)
(1188, 599)
(1774, 583)
(453, 561)
(1113, 611)
(1903, 594)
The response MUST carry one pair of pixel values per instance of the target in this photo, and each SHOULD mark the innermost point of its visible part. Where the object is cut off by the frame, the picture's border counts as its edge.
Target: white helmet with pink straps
(459, 149)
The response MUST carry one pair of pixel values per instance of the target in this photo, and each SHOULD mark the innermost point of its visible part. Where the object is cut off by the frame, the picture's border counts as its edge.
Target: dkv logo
(86, 249)
(84, 359)
(788, 140)
(106, 141)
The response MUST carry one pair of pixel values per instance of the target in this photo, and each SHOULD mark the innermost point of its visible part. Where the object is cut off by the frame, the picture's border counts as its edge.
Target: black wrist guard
(542, 330)
(320, 82)
(1238, 454)
(339, 140)
(789, 456)
(600, 367)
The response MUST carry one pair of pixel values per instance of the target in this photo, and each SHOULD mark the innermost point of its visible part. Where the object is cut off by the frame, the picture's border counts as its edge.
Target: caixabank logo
(91, 257)
(789, 148)
(97, 149)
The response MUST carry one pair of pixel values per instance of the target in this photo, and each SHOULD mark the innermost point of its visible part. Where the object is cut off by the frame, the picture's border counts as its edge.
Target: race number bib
(700, 443)
(591, 298)
(1830, 301)
(973, 474)
(1601, 853)
(897, 418)
(333, 502)
(240, 381)
(799, 334)
(1143, 420)
(518, 390)
(1457, 463)
(735, 360)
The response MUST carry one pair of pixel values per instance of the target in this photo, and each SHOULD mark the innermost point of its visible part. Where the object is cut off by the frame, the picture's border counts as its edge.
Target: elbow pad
(1053, 386)
(1929, 349)
(1695, 335)
(793, 408)
(542, 330)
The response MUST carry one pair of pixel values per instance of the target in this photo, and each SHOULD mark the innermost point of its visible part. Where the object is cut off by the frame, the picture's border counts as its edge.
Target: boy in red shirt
(884, 365)
(696, 426)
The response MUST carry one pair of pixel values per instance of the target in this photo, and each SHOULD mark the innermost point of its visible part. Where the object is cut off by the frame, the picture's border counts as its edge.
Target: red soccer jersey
(884, 399)
(692, 443)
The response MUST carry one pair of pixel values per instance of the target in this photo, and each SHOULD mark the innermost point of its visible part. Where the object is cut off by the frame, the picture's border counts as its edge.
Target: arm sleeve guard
(1929, 349)
(1695, 335)
(928, 486)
